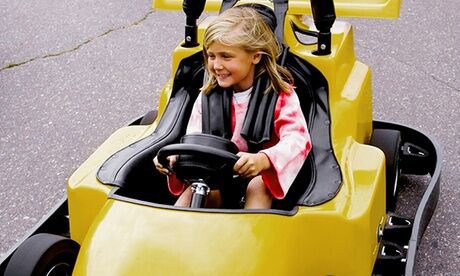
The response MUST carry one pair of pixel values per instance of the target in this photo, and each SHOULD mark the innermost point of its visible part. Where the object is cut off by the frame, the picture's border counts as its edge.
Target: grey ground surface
(72, 72)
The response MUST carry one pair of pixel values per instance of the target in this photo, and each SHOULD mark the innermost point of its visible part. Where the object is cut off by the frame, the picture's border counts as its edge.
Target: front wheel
(389, 141)
(44, 254)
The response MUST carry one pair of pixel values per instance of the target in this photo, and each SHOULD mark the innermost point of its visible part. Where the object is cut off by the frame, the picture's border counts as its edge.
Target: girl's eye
(210, 57)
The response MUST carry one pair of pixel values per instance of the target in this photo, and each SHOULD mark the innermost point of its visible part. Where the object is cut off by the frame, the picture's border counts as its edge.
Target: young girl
(238, 47)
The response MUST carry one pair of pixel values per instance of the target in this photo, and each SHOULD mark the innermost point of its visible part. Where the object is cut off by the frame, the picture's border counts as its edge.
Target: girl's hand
(172, 160)
(251, 164)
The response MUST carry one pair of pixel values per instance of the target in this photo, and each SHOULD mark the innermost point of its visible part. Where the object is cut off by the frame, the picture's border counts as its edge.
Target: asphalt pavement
(72, 72)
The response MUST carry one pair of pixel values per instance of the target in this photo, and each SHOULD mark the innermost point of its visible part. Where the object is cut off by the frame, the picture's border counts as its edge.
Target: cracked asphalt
(72, 72)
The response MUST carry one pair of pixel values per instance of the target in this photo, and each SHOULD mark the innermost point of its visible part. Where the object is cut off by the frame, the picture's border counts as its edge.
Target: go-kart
(338, 218)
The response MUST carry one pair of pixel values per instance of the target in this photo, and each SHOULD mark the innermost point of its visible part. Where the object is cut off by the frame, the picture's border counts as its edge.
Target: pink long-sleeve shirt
(287, 149)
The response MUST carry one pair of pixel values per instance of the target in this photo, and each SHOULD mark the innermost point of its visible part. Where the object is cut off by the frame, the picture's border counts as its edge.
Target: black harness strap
(216, 113)
(260, 117)
(258, 121)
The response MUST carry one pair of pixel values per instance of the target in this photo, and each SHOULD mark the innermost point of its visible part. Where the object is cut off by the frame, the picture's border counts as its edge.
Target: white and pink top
(287, 150)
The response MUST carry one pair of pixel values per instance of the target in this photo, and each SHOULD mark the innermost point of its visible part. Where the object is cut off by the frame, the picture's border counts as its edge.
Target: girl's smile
(232, 66)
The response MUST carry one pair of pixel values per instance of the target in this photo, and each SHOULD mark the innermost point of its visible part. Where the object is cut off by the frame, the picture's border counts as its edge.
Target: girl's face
(232, 66)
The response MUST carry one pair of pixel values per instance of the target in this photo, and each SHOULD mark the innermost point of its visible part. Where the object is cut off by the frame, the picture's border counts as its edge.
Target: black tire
(43, 254)
(149, 118)
(389, 141)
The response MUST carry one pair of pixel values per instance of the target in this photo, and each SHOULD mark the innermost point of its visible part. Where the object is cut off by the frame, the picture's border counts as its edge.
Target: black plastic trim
(321, 168)
(432, 165)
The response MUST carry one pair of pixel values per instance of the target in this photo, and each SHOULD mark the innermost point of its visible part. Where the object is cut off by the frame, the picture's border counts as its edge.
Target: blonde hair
(246, 29)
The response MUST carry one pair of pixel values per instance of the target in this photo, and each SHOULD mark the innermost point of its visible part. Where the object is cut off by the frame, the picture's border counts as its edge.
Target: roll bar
(323, 15)
(192, 9)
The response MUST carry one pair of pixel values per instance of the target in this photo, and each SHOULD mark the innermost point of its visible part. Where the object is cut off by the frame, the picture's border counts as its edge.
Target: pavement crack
(448, 84)
(433, 76)
(76, 48)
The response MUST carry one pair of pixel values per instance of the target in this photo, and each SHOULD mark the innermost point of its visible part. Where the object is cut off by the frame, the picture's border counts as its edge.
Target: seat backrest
(319, 179)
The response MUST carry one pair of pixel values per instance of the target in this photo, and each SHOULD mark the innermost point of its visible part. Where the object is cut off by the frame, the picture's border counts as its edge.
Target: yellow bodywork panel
(86, 195)
(343, 8)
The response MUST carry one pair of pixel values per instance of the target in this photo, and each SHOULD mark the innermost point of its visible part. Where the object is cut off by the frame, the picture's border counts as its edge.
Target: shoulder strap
(260, 117)
(258, 122)
(216, 113)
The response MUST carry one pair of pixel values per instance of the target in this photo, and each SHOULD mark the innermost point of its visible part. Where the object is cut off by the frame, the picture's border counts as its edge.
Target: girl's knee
(257, 185)
(257, 195)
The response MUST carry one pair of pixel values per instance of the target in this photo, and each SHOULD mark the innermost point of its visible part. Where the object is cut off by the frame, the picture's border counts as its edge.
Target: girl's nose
(217, 65)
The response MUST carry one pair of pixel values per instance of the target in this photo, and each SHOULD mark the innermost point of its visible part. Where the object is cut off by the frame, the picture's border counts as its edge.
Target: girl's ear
(256, 57)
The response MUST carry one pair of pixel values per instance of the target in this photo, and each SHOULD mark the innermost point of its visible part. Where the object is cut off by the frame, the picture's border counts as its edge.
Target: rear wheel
(44, 254)
(389, 141)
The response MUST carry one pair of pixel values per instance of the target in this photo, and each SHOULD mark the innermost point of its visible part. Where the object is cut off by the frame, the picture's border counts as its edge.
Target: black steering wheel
(203, 158)
(205, 162)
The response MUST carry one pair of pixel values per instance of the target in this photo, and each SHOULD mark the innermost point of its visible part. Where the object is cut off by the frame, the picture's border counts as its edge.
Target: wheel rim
(397, 171)
(60, 269)
(395, 185)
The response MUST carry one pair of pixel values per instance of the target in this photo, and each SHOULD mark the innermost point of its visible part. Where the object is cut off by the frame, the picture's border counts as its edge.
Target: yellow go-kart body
(120, 234)
(340, 237)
